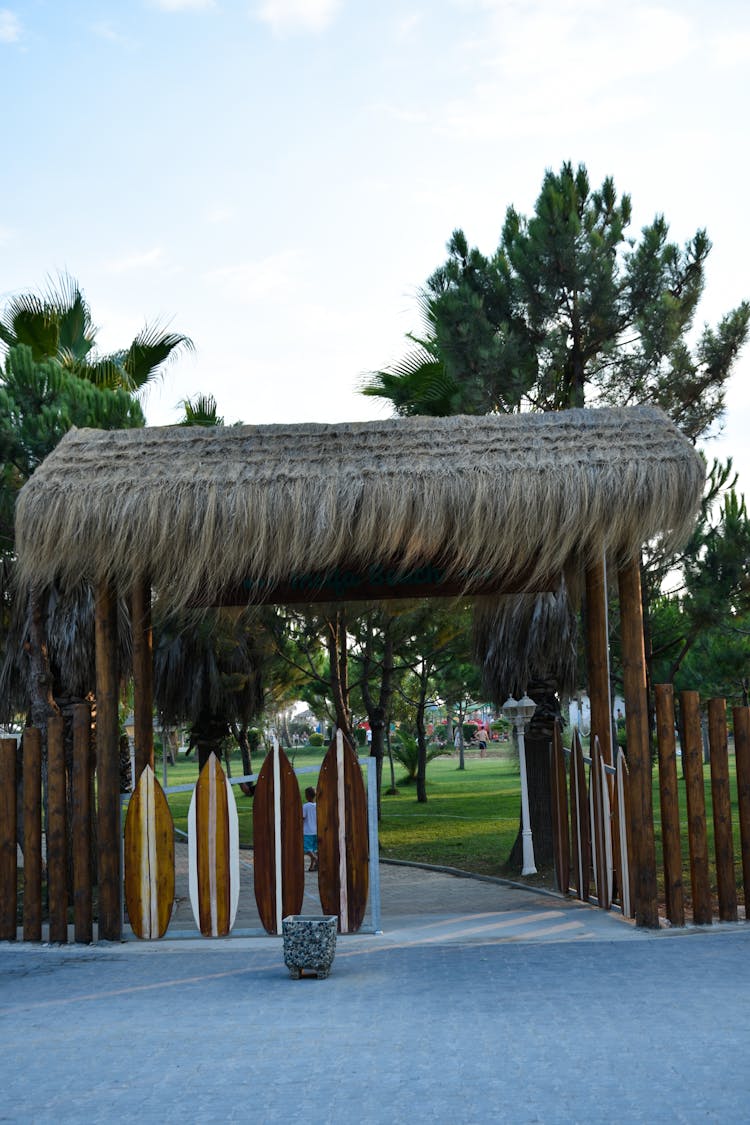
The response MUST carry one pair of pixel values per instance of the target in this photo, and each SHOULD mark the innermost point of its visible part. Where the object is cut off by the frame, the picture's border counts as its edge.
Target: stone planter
(309, 943)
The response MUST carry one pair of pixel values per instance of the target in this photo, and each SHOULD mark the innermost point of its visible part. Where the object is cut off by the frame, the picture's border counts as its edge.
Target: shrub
(360, 736)
(316, 738)
(406, 753)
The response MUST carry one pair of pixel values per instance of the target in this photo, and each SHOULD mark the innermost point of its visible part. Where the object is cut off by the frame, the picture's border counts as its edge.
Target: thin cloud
(529, 52)
(146, 260)
(289, 16)
(10, 26)
(183, 5)
(249, 282)
(731, 50)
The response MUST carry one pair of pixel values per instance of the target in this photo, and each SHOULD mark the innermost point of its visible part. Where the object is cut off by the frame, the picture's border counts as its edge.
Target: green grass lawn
(470, 819)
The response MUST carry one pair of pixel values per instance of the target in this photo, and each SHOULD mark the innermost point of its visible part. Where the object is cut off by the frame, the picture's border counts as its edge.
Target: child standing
(310, 828)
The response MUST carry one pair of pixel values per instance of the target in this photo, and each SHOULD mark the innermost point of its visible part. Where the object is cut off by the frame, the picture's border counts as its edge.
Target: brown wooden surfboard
(149, 858)
(278, 856)
(343, 874)
(213, 852)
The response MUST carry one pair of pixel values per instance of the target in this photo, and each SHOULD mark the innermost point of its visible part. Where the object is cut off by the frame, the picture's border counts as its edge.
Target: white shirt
(310, 819)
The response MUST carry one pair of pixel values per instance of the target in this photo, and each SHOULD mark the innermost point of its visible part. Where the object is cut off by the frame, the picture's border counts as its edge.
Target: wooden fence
(58, 884)
(69, 849)
(592, 818)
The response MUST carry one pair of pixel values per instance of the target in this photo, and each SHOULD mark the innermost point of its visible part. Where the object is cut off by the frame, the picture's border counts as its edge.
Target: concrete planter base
(309, 943)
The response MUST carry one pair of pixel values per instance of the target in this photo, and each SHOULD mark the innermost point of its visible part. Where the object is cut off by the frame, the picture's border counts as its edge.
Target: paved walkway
(479, 1003)
(426, 905)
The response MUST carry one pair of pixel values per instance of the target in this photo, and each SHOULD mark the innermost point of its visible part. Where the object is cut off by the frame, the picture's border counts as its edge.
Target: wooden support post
(32, 834)
(143, 676)
(57, 839)
(8, 842)
(722, 809)
(670, 809)
(597, 658)
(741, 718)
(108, 765)
(81, 824)
(639, 750)
(692, 761)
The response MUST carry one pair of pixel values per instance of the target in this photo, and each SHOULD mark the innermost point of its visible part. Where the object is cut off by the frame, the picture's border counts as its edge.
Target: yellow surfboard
(149, 858)
(213, 852)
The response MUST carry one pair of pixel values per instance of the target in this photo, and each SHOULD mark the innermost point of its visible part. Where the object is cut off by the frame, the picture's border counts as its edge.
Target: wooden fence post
(108, 764)
(57, 839)
(623, 817)
(598, 827)
(579, 819)
(692, 760)
(639, 748)
(597, 658)
(722, 809)
(8, 842)
(32, 834)
(741, 718)
(81, 823)
(669, 802)
(560, 829)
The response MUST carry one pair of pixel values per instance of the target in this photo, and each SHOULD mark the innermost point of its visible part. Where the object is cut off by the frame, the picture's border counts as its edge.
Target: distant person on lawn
(310, 828)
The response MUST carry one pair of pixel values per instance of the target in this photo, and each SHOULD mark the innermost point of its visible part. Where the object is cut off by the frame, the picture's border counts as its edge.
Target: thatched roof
(521, 498)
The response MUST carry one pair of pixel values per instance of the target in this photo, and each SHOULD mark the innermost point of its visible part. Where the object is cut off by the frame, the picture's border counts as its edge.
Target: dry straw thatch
(524, 497)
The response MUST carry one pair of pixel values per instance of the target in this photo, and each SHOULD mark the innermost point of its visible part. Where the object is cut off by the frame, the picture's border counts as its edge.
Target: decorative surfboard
(149, 858)
(343, 871)
(213, 852)
(278, 855)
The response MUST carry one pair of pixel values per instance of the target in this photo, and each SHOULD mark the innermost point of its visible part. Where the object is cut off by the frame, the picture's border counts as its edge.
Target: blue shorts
(310, 843)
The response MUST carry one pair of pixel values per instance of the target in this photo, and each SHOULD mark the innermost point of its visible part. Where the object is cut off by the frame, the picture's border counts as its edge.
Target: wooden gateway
(406, 507)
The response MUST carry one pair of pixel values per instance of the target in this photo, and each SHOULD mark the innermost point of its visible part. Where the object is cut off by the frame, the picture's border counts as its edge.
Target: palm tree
(207, 673)
(58, 325)
(200, 411)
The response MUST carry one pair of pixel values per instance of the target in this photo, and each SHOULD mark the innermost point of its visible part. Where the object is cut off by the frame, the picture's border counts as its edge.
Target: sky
(277, 178)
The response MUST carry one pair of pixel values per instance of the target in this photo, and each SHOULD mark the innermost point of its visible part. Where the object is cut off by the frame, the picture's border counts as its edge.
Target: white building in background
(579, 712)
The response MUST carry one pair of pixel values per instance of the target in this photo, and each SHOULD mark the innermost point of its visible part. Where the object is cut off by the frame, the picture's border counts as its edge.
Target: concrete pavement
(478, 1003)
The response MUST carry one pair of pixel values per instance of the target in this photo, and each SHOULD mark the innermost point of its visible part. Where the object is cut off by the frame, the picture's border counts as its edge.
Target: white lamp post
(519, 711)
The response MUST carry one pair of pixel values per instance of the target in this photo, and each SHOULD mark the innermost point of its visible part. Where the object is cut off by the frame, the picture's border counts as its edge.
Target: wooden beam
(669, 801)
(57, 836)
(380, 583)
(143, 677)
(108, 764)
(639, 749)
(597, 658)
(8, 841)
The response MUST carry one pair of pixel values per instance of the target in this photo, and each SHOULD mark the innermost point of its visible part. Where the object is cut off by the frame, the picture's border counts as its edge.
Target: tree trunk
(377, 712)
(538, 739)
(337, 658)
(422, 737)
